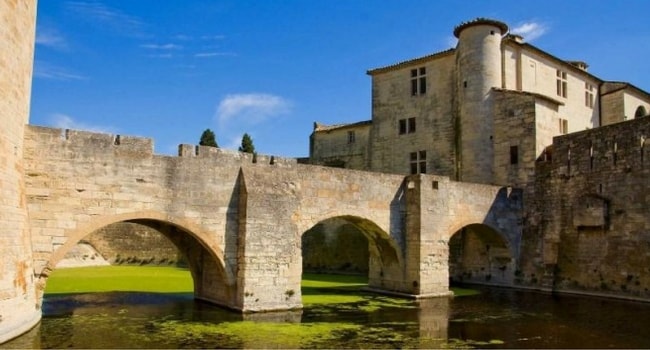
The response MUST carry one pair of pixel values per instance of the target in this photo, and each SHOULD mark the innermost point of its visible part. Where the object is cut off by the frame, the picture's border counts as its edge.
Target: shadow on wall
(335, 246)
(126, 243)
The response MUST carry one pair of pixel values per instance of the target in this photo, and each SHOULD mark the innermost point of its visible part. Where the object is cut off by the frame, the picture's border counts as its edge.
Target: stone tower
(18, 310)
(478, 63)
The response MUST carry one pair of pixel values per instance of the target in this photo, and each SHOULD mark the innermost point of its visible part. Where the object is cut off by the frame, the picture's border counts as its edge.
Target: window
(351, 137)
(406, 126)
(418, 162)
(561, 83)
(640, 112)
(564, 126)
(589, 95)
(418, 81)
(514, 155)
(411, 125)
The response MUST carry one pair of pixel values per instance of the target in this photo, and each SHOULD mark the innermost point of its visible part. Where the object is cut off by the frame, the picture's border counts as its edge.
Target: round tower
(478, 68)
(18, 310)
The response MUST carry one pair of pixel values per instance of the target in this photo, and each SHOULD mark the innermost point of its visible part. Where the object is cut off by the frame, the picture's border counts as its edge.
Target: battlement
(91, 142)
(616, 147)
(232, 157)
(86, 142)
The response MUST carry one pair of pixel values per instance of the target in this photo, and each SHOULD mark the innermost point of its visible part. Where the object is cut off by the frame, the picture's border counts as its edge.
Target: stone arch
(640, 112)
(479, 253)
(385, 265)
(205, 257)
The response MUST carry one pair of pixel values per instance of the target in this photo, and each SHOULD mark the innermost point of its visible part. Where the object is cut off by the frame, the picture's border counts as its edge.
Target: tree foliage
(208, 139)
(247, 144)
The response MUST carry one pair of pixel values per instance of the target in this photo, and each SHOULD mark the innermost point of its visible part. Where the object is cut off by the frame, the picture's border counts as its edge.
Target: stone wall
(79, 182)
(594, 210)
(435, 130)
(340, 146)
(335, 246)
(18, 308)
(134, 244)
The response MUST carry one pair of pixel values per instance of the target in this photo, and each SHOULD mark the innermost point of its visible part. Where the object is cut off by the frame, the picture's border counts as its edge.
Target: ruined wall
(594, 218)
(18, 309)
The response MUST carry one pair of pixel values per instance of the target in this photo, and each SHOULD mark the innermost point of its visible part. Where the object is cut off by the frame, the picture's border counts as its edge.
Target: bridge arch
(213, 280)
(385, 257)
(480, 253)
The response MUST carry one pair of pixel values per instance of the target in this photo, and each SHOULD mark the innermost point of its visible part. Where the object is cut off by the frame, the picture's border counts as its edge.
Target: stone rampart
(239, 218)
(596, 193)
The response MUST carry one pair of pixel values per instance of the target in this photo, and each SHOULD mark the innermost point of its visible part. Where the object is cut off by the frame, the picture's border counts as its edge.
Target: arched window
(640, 112)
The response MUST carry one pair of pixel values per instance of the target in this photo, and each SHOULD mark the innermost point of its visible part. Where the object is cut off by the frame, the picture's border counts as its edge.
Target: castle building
(482, 112)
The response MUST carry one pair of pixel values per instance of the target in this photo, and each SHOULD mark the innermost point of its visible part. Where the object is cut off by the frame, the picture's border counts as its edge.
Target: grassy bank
(316, 288)
(159, 279)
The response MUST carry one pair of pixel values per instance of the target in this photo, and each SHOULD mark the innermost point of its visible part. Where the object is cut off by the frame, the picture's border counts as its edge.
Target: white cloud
(44, 70)
(162, 46)
(213, 54)
(213, 37)
(251, 108)
(530, 30)
(63, 121)
(161, 55)
(98, 12)
(50, 37)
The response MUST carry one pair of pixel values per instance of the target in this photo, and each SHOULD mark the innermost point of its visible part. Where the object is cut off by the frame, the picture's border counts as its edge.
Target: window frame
(418, 81)
(589, 95)
(561, 83)
(352, 137)
(418, 162)
(406, 126)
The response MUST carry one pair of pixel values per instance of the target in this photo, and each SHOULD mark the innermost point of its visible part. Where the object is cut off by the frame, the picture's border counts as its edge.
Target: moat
(494, 318)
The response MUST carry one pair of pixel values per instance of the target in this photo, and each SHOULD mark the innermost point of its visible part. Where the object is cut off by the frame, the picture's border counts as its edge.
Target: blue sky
(170, 69)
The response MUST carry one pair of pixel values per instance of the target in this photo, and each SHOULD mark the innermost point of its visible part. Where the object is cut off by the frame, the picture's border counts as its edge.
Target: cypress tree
(208, 139)
(247, 144)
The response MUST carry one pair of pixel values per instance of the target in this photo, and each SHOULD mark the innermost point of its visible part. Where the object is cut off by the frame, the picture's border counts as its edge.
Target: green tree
(247, 144)
(208, 139)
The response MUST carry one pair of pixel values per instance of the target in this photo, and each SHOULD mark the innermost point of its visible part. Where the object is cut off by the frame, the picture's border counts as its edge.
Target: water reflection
(497, 318)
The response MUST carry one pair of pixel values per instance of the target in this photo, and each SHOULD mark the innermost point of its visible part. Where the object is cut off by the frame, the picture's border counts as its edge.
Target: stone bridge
(239, 219)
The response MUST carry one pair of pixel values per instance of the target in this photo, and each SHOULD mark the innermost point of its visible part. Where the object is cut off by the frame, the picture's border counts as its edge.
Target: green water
(338, 315)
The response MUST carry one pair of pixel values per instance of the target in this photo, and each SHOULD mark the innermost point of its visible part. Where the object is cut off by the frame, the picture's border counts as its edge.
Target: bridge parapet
(233, 157)
(92, 142)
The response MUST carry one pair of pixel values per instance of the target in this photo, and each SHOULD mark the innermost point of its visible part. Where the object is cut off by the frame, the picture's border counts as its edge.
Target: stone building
(498, 110)
(482, 112)
(494, 110)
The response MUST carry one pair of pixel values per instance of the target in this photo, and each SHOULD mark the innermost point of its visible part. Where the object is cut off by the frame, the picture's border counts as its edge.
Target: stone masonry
(240, 223)
(19, 311)
(579, 221)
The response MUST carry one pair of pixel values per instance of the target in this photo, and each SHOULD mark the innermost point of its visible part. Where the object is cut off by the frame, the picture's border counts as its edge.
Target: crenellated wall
(593, 202)
(239, 218)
